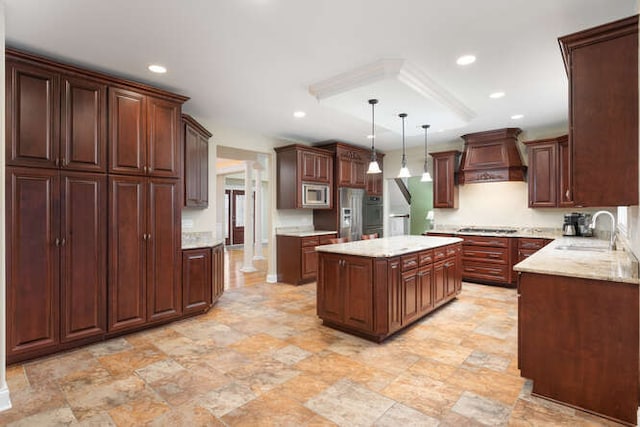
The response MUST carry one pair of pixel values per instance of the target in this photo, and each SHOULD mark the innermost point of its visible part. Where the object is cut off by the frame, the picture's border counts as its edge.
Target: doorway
(234, 207)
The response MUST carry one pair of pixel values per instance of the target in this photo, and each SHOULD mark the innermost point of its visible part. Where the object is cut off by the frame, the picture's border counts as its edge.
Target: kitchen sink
(582, 248)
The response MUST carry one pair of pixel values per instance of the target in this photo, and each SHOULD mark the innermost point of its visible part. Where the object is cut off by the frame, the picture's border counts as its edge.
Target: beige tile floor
(262, 357)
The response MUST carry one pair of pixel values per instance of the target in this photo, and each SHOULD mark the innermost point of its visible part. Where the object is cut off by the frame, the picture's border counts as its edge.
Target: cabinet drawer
(526, 243)
(425, 257)
(407, 262)
(501, 242)
(325, 239)
(485, 254)
(451, 251)
(310, 241)
(525, 253)
(439, 253)
(496, 273)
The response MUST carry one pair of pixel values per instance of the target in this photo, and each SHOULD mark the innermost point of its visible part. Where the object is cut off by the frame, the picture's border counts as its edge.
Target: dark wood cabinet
(529, 246)
(197, 280)
(376, 297)
(144, 134)
(488, 259)
(163, 242)
(297, 260)
(296, 164)
(54, 120)
(56, 262)
(196, 163)
(144, 240)
(602, 66)
(578, 342)
(375, 180)
(83, 251)
(202, 278)
(548, 173)
(351, 164)
(445, 191)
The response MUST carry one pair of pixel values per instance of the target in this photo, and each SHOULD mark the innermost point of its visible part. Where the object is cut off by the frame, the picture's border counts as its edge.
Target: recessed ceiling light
(517, 116)
(496, 95)
(155, 68)
(299, 114)
(466, 60)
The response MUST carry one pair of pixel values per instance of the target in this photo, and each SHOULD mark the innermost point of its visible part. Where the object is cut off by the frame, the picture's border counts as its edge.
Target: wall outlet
(187, 224)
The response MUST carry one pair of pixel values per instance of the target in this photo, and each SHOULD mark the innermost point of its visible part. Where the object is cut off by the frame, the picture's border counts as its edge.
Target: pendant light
(404, 171)
(426, 176)
(374, 167)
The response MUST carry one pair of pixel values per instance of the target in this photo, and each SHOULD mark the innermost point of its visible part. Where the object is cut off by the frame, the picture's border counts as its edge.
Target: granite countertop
(307, 233)
(199, 239)
(614, 266)
(526, 232)
(388, 246)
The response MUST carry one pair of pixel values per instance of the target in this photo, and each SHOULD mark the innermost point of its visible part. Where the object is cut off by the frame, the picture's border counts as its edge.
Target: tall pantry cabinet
(93, 205)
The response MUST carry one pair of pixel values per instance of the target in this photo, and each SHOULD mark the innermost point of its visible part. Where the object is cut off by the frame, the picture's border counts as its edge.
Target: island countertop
(387, 247)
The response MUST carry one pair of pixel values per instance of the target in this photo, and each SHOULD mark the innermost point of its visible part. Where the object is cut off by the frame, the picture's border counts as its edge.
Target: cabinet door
(410, 296)
(308, 166)
(439, 282)
(83, 132)
(196, 280)
(374, 181)
(164, 143)
(358, 292)
(218, 271)
(604, 107)
(83, 276)
(543, 175)
(309, 261)
(425, 284)
(358, 174)
(444, 190)
(345, 172)
(127, 253)
(395, 296)
(32, 116)
(163, 248)
(450, 273)
(127, 132)
(32, 260)
(196, 173)
(324, 166)
(330, 295)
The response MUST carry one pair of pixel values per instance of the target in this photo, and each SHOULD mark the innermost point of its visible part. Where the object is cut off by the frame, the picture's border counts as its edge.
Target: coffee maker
(577, 224)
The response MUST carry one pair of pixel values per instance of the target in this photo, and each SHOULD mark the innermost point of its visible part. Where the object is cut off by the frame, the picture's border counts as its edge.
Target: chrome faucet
(613, 226)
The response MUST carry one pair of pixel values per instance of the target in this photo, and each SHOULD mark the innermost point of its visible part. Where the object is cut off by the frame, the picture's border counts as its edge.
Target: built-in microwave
(316, 195)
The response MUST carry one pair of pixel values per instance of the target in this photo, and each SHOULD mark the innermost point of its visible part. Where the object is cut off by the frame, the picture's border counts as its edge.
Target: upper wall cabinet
(196, 163)
(144, 134)
(602, 66)
(445, 191)
(549, 184)
(54, 120)
(297, 164)
(375, 180)
(351, 164)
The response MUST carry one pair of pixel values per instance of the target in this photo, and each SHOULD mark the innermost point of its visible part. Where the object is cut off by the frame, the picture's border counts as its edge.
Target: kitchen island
(374, 288)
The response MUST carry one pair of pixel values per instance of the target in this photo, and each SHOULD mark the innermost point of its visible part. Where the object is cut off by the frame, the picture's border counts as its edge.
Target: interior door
(227, 217)
(237, 217)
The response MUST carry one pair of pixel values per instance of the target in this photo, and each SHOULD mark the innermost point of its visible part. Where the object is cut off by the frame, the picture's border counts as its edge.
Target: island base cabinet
(374, 297)
(578, 342)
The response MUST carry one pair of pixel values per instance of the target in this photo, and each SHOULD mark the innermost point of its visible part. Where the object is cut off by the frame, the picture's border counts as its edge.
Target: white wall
(5, 402)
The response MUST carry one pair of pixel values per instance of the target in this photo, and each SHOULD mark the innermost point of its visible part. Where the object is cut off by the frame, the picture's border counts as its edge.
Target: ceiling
(250, 64)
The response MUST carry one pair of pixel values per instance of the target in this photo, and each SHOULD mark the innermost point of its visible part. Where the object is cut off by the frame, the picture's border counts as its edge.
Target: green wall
(421, 203)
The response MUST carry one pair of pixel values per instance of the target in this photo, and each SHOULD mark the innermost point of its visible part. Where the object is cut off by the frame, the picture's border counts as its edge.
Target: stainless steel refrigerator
(350, 212)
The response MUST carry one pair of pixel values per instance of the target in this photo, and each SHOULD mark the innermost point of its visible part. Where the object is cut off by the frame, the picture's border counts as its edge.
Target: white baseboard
(272, 278)
(5, 401)
(248, 269)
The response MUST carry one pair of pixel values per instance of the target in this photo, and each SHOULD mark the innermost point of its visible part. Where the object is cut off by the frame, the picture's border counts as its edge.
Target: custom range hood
(491, 156)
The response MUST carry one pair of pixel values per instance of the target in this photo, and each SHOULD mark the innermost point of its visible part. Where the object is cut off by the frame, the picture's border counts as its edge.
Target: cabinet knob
(63, 241)
(57, 162)
(567, 194)
(57, 242)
